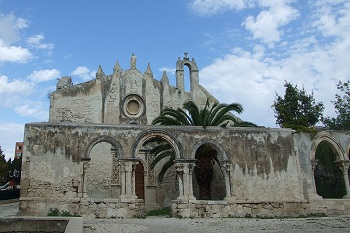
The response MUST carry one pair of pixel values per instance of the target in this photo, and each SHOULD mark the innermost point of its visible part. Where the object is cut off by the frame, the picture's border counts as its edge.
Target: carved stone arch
(148, 134)
(217, 146)
(108, 139)
(325, 136)
(220, 181)
(193, 70)
(347, 153)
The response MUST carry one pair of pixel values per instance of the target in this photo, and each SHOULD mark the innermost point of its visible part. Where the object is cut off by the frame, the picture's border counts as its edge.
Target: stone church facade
(91, 158)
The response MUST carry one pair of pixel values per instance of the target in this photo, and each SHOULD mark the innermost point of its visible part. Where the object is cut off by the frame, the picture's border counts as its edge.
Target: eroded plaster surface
(86, 159)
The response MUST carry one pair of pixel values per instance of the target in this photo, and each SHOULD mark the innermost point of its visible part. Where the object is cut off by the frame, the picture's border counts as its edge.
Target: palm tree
(206, 155)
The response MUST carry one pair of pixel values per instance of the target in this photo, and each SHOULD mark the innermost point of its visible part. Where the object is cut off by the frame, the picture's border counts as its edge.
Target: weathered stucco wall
(105, 99)
(267, 164)
(84, 160)
(80, 103)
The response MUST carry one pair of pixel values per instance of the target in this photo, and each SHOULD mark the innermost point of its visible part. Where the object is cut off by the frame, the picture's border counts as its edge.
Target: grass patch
(165, 212)
(54, 212)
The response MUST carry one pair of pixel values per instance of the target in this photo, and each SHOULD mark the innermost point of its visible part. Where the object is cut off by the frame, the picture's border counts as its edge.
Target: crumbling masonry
(90, 158)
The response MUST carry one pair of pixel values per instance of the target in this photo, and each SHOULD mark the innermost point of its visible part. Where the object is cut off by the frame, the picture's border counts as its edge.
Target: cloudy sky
(245, 49)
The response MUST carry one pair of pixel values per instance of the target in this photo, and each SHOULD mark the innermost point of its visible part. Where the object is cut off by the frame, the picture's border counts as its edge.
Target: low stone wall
(93, 208)
(225, 209)
(41, 224)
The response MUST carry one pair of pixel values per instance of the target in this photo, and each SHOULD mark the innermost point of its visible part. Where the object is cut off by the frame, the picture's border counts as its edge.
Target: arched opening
(208, 179)
(140, 181)
(103, 171)
(328, 176)
(187, 77)
(161, 171)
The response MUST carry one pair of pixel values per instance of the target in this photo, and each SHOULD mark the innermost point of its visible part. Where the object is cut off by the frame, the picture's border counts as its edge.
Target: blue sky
(244, 49)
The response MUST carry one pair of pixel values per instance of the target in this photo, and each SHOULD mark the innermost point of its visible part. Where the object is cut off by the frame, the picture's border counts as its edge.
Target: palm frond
(244, 124)
(160, 156)
(223, 120)
(165, 168)
(172, 117)
(223, 110)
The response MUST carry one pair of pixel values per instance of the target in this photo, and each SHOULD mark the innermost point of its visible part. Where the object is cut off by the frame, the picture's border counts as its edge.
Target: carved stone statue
(133, 62)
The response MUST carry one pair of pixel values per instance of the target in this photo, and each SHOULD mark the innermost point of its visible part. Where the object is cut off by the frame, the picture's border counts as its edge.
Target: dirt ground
(173, 225)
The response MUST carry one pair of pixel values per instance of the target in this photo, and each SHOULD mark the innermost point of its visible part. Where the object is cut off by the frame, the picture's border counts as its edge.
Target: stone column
(133, 164)
(123, 168)
(184, 170)
(226, 167)
(84, 176)
(179, 167)
(344, 166)
(190, 166)
(128, 167)
(314, 163)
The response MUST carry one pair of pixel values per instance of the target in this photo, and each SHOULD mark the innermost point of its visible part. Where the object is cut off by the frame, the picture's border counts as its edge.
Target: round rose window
(133, 106)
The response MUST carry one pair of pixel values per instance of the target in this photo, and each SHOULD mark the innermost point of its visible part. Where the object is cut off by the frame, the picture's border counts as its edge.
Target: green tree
(191, 115)
(297, 109)
(342, 108)
(3, 166)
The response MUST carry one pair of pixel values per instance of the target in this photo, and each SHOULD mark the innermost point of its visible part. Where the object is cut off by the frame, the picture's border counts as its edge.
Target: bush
(54, 212)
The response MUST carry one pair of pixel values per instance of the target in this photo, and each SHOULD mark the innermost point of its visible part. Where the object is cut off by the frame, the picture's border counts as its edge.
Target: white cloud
(211, 7)
(36, 42)
(333, 18)
(15, 86)
(245, 78)
(10, 27)
(13, 53)
(44, 75)
(12, 133)
(84, 73)
(169, 70)
(313, 62)
(34, 109)
(266, 25)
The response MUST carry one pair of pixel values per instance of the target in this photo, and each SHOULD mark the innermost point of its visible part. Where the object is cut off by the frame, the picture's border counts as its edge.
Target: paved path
(8, 209)
(172, 225)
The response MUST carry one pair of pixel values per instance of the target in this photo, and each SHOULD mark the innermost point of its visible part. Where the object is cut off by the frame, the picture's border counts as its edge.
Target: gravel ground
(170, 225)
(173, 225)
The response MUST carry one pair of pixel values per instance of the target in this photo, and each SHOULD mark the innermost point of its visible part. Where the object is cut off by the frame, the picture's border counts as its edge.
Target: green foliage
(342, 108)
(297, 109)
(216, 115)
(162, 150)
(328, 176)
(4, 168)
(54, 212)
(9, 166)
(161, 212)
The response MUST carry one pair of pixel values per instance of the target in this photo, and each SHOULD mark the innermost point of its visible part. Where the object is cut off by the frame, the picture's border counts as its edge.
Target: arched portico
(347, 152)
(224, 163)
(104, 138)
(325, 136)
(342, 159)
(108, 157)
(215, 144)
(152, 133)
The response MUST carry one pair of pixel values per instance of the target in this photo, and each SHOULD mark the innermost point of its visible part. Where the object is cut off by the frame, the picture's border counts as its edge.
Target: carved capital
(344, 165)
(314, 163)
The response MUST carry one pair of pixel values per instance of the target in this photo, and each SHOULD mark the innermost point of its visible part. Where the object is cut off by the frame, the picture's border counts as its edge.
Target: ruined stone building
(91, 158)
